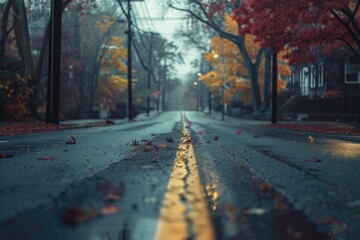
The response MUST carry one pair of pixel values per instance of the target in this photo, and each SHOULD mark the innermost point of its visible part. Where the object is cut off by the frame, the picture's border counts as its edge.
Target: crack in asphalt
(270, 154)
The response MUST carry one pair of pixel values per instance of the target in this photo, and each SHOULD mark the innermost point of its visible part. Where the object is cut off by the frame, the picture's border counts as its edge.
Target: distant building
(329, 88)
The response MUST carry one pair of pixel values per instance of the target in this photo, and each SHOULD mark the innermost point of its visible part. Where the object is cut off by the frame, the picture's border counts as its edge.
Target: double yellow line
(185, 214)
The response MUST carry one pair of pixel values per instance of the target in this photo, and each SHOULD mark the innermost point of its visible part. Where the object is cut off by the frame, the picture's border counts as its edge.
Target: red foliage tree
(307, 28)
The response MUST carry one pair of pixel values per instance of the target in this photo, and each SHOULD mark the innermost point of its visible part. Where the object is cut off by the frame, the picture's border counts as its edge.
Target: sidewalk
(327, 127)
(16, 128)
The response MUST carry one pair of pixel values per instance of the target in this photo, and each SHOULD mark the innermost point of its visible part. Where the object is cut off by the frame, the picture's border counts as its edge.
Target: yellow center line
(185, 214)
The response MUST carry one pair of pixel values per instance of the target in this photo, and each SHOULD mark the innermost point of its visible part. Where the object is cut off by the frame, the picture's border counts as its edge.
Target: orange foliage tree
(229, 67)
(111, 80)
(14, 95)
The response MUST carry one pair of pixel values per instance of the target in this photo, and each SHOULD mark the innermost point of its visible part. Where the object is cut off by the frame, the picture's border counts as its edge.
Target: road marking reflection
(185, 214)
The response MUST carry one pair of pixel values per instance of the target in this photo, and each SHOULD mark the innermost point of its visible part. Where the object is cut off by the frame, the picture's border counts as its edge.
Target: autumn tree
(228, 66)
(210, 14)
(15, 22)
(112, 73)
(307, 28)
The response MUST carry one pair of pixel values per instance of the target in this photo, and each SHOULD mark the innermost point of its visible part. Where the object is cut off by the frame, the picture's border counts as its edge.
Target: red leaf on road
(312, 159)
(108, 187)
(45, 158)
(266, 187)
(112, 197)
(6, 155)
(109, 209)
(201, 132)
(77, 215)
(238, 132)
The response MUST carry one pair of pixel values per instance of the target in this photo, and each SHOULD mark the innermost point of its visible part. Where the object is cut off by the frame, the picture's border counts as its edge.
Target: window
(305, 81)
(351, 73)
(312, 76)
(321, 75)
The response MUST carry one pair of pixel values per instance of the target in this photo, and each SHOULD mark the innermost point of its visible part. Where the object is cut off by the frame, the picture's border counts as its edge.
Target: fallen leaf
(238, 132)
(266, 187)
(169, 139)
(72, 140)
(112, 197)
(77, 215)
(108, 187)
(294, 142)
(6, 155)
(162, 145)
(311, 138)
(148, 148)
(231, 208)
(256, 136)
(216, 138)
(45, 158)
(109, 209)
(201, 132)
(313, 159)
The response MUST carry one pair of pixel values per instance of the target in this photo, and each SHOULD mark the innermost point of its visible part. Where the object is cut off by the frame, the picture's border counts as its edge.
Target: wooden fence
(334, 107)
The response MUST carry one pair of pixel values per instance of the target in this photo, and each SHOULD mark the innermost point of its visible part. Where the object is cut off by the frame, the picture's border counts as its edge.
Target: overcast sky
(153, 16)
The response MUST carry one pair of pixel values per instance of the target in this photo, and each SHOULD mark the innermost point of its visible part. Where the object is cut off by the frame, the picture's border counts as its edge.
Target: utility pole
(165, 87)
(149, 75)
(130, 107)
(201, 86)
(159, 92)
(274, 88)
(274, 78)
(53, 85)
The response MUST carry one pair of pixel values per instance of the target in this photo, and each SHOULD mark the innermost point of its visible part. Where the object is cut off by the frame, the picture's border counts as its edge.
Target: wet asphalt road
(259, 183)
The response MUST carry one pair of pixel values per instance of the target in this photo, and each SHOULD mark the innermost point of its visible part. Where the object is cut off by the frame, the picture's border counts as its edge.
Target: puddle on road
(262, 223)
(269, 216)
(283, 224)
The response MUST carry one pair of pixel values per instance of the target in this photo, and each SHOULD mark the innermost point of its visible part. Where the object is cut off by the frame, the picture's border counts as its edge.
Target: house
(327, 89)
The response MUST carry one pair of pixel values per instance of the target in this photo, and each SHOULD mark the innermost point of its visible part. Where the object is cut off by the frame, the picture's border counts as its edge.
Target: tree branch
(353, 36)
(229, 36)
(342, 38)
